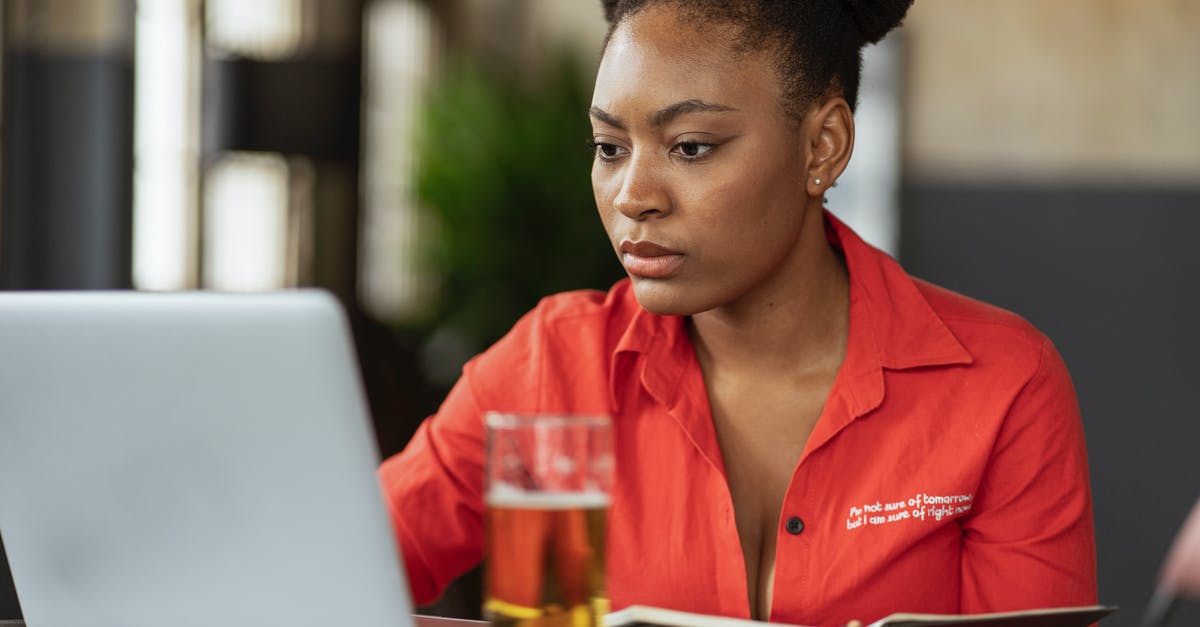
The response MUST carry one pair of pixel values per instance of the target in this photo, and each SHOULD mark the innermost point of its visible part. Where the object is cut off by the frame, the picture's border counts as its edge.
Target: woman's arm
(554, 360)
(1030, 540)
(434, 492)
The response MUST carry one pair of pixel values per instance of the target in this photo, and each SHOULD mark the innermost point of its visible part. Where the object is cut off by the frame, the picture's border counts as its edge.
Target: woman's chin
(664, 298)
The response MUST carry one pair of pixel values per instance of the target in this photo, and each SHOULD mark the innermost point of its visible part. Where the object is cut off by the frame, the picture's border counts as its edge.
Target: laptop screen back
(190, 459)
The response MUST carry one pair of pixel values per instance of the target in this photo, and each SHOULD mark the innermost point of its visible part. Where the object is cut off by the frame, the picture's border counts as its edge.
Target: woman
(804, 433)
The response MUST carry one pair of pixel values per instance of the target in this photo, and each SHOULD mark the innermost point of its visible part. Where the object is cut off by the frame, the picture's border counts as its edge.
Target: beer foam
(510, 497)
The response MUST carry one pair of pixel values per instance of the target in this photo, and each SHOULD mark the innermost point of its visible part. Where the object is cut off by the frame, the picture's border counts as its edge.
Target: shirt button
(795, 525)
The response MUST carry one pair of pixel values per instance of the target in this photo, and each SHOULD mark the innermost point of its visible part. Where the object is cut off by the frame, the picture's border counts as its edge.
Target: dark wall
(1112, 275)
(67, 193)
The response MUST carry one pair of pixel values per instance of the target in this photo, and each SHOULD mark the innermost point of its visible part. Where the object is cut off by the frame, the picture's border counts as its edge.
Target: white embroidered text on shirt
(921, 506)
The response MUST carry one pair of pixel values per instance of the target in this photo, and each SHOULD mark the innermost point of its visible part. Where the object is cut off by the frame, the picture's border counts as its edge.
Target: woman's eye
(693, 150)
(607, 151)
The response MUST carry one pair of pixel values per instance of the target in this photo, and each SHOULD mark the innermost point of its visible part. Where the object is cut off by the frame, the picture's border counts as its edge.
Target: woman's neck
(794, 323)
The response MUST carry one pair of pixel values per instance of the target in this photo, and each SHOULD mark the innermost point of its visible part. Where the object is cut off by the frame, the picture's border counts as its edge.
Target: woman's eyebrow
(664, 115)
(606, 117)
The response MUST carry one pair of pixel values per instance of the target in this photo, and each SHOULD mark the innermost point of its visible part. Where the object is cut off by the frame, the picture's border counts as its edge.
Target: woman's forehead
(659, 56)
(672, 31)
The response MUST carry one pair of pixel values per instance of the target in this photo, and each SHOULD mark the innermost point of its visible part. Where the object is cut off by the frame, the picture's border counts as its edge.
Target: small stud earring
(817, 181)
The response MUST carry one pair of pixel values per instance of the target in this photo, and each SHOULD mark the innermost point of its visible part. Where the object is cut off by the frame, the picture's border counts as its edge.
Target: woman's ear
(831, 140)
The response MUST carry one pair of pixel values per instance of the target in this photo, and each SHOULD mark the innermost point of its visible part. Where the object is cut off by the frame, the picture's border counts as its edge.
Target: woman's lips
(649, 260)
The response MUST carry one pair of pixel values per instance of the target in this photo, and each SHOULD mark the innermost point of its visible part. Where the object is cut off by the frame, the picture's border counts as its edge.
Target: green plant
(503, 170)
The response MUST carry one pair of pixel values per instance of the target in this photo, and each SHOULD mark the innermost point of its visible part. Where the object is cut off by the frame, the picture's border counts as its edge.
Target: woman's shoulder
(1007, 353)
(586, 305)
(983, 328)
(581, 316)
(559, 352)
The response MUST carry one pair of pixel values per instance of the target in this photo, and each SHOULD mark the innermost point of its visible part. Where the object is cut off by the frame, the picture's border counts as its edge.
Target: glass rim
(510, 420)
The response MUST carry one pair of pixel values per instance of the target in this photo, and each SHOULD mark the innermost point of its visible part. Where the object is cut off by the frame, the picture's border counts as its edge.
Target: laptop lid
(190, 459)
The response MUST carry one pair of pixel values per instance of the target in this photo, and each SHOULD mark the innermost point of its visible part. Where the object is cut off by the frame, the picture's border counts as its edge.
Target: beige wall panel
(528, 33)
(1054, 90)
(557, 24)
(70, 26)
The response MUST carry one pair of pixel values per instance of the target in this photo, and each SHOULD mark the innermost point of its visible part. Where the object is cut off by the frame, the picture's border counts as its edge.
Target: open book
(636, 615)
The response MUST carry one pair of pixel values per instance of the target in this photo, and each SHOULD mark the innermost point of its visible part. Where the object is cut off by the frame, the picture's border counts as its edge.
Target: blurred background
(425, 161)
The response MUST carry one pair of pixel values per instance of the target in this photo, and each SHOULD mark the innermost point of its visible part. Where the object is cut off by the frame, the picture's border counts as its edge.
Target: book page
(1050, 617)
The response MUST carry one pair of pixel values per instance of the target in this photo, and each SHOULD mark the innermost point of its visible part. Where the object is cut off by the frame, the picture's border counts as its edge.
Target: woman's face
(699, 174)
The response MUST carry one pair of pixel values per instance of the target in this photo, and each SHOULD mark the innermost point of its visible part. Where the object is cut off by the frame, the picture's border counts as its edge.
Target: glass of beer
(548, 480)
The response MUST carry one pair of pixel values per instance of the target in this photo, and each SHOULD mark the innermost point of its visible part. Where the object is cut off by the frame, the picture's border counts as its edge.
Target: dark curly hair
(817, 43)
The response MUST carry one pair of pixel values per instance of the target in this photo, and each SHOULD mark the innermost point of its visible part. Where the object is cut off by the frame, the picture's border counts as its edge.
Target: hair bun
(610, 9)
(875, 18)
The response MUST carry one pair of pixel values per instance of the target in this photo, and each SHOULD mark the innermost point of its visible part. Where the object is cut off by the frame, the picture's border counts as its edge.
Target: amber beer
(545, 563)
(548, 481)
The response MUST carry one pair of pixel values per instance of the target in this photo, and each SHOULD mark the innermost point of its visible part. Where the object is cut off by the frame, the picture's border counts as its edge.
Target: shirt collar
(667, 350)
(892, 326)
(905, 329)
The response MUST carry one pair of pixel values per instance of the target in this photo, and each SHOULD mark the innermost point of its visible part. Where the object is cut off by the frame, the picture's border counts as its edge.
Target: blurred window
(166, 143)
(258, 29)
(245, 222)
(399, 59)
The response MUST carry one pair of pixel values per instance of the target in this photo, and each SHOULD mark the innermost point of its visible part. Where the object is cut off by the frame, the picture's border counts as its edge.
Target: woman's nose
(642, 194)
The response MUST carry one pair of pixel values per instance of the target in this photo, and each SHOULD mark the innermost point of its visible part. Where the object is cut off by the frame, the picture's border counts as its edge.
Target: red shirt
(947, 472)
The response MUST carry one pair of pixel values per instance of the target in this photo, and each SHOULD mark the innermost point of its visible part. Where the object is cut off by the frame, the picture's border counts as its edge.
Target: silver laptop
(190, 459)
